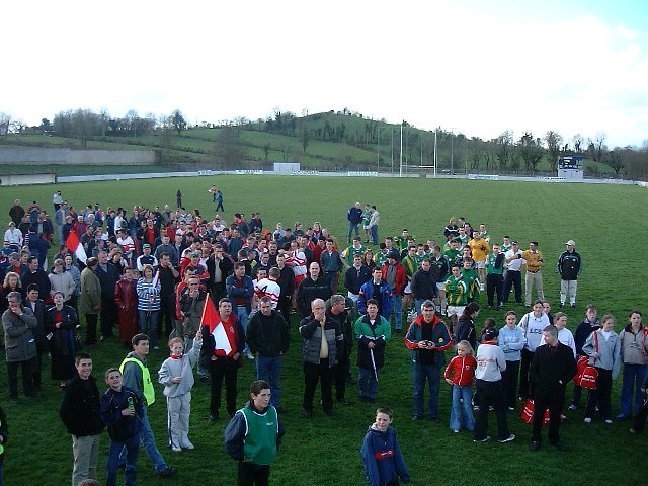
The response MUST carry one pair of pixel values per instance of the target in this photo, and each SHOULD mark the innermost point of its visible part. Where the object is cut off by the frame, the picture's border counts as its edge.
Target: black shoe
(398, 331)
(329, 412)
(435, 420)
(416, 417)
(214, 417)
(167, 472)
(308, 414)
(203, 379)
(562, 305)
(14, 400)
(573, 306)
(534, 445)
(344, 401)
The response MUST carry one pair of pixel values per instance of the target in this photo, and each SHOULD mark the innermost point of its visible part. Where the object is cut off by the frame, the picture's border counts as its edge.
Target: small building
(570, 167)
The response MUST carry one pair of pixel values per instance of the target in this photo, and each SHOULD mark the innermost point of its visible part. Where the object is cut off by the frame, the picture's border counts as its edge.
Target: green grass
(605, 221)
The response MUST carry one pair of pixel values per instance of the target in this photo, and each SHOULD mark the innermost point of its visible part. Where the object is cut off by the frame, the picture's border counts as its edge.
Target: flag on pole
(75, 246)
(212, 320)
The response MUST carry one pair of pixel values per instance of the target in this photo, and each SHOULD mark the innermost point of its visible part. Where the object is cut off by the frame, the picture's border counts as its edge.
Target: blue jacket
(367, 293)
(354, 215)
(382, 457)
(120, 427)
(235, 292)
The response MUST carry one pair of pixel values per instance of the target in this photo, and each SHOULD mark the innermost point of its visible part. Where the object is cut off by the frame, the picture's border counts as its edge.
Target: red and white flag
(75, 246)
(212, 319)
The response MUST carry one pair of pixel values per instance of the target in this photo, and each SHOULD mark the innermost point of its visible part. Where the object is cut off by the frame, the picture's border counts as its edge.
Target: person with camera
(428, 337)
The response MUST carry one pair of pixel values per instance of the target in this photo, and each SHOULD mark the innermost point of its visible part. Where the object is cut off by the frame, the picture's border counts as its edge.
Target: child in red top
(460, 373)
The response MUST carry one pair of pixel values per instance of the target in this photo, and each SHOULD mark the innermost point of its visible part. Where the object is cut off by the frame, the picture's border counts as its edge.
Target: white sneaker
(508, 439)
(456, 431)
(188, 445)
(608, 421)
(175, 449)
(587, 420)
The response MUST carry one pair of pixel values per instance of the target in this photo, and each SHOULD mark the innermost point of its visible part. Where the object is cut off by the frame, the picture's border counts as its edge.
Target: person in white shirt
(532, 325)
(13, 235)
(513, 277)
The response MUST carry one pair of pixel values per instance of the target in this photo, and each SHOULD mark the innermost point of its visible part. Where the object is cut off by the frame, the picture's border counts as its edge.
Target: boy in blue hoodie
(380, 453)
(121, 410)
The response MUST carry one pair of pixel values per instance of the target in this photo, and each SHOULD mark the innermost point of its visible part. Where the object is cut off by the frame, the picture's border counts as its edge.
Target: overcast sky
(476, 67)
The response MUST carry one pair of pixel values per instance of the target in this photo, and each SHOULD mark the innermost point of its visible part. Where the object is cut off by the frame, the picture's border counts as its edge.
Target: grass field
(606, 221)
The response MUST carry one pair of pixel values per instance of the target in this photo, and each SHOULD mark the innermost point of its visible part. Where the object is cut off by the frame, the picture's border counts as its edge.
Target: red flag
(75, 247)
(212, 319)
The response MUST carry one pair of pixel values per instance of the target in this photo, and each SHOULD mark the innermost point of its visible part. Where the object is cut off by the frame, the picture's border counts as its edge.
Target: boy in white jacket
(177, 377)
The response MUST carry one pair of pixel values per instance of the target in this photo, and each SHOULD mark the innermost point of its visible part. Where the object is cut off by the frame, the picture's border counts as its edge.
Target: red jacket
(461, 370)
(400, 280)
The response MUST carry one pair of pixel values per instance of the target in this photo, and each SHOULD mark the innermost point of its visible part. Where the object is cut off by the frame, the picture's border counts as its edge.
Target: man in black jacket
(38, 308)
(268, 339)
(338, 308)
(553, 366)
(312, 287)
(80, 414)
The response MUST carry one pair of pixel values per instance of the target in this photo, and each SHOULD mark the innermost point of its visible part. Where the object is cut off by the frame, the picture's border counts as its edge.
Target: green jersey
(456, 290)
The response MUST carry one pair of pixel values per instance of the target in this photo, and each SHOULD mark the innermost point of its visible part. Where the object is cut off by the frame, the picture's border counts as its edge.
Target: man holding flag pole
(223, 342)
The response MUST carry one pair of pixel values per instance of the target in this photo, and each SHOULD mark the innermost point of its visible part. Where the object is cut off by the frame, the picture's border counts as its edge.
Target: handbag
(528, 410)
(586, 374)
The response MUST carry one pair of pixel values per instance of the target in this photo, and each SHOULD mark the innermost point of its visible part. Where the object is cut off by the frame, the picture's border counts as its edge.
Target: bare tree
(228, 150)
(599, 146)
(5, 120)
(177, 121)
(577, 140)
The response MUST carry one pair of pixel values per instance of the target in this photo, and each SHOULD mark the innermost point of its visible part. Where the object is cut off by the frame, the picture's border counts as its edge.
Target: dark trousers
(554, 401)
(525, 364)
(312, 374)
(513, 279)
(510, 381)
(494, 286)
(283, 307)
(223, 369)
(218, 291)
(490, 393)
(167, 315)
(602, 395)
(26, 372)
(340, 373)
(91, 331)
(108, 316)
(640, 417)
(38, 366)
(252, 474)
(220, 206)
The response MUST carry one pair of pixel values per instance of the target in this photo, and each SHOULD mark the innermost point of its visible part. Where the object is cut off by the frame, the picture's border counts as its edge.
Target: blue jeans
(367, 383)
(352, 227)
(431, 374)
(374, 234)
(461, 414)
(116, 447)
(417, 306)
(633, 376)
(148, 443)
(148, 321)
(244, 319)
(268, 369)
(397, 310)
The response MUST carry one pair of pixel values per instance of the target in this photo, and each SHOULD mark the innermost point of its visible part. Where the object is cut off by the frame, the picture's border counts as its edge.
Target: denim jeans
(148, 443)
(633, 376)
(367, 383)
(148, 321)
(461, 414)
(116, 447)
(268, 369)
(374, 234)
(352, 227)
(431, 374)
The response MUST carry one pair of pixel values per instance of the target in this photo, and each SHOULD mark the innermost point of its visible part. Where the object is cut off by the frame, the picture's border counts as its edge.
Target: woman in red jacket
(126, 302)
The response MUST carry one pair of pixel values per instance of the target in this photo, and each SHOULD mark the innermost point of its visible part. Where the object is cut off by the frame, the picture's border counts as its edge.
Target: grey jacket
(19, 338)
(311, 331)
(182, 367)
(609, 351)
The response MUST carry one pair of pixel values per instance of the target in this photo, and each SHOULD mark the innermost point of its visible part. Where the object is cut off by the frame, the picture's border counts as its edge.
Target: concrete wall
(65, 156)
(20, 179)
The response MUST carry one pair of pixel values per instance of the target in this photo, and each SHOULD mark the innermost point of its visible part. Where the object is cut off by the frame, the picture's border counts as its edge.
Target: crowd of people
(220, 292)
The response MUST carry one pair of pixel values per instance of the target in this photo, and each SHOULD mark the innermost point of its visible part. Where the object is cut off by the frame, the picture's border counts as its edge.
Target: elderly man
(322, 339)
(569, 266)
(553, 366)
(19, 325)
(354, 217)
